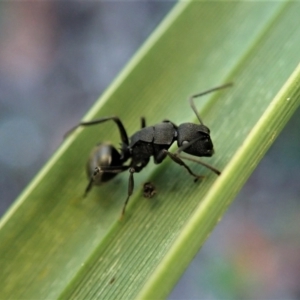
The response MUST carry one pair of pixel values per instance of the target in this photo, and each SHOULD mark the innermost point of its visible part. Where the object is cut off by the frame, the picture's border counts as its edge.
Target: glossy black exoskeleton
(106, 161)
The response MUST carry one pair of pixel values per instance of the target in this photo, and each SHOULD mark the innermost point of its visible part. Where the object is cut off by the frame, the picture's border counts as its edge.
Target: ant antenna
(191, 99)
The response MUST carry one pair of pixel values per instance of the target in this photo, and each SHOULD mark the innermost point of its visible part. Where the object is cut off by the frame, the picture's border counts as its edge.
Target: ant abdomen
(103, 155)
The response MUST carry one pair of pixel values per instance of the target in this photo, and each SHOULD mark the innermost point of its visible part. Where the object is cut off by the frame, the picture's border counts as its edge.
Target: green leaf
(55, 244)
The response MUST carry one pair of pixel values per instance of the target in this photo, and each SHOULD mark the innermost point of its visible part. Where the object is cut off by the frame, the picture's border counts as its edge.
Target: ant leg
(143, 122)
(179, 161)
(202, 163)
(131, 184)
(89, 186)
(130, 190)
(123, 133)
(103, 169)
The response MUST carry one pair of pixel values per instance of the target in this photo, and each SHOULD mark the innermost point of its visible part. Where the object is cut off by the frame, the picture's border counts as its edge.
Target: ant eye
(185, 142)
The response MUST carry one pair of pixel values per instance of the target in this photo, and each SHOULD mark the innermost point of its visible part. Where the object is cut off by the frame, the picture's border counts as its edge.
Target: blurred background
(57, 57)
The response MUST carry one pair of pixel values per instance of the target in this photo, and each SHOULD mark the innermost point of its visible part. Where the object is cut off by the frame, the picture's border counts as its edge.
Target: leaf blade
(78, 246)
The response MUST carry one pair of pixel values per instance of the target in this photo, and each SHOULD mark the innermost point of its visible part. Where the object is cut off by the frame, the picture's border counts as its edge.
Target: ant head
(195, 139)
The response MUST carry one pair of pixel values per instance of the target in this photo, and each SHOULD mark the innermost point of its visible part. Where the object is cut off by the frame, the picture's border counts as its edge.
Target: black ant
(106, 161)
